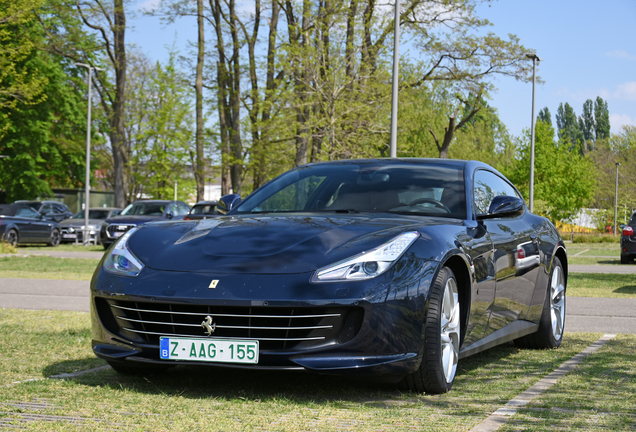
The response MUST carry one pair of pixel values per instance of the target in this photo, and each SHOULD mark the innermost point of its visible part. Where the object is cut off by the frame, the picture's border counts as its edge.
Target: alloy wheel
(450, 330)
(557, 302)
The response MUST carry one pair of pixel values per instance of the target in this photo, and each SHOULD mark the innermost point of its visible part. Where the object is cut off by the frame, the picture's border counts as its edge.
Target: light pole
(616, 200)
(86, 231)
(394, 92)
(535, 59)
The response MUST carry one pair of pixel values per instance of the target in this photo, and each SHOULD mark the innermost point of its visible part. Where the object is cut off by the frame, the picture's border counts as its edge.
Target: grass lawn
(195, 398)
(45, 267)
(66, 247)
(601, 285)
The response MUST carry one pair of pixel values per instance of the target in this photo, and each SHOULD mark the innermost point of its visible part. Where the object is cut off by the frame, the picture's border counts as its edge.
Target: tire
(552, 323)
(125, 368)
(441, 339)
(55, 238)
(625, 259)
(11, 237)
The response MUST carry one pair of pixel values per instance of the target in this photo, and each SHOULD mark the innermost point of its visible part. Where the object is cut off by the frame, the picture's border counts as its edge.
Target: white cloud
(617, 121)
(626, 91)
(621, 54)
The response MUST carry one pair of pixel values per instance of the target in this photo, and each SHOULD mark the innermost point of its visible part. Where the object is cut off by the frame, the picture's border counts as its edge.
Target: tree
(568, 127)
(159, 114)
(564, 180)
(601, 119)
(44, 137)
(17, 85)
(586, 121)
(545, 116)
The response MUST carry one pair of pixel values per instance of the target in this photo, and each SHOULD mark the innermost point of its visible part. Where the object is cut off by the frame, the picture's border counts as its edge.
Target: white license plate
(69, 235)
(209, 350)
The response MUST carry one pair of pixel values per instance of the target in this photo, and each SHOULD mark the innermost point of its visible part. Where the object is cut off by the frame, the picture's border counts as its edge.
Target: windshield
(92, 214)
(426, 189)
(146, 209)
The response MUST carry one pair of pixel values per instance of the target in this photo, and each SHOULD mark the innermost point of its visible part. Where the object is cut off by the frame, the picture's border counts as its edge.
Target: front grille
(116, 230)
(276, 328)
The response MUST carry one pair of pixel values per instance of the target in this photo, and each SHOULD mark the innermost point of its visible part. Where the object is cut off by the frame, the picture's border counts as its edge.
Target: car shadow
(228, 383)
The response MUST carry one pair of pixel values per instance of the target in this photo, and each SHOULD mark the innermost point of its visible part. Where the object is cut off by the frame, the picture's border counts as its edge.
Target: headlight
(121, 260)
(368, 264)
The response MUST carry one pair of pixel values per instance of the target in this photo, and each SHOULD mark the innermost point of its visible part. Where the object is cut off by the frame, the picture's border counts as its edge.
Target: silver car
(72, 228)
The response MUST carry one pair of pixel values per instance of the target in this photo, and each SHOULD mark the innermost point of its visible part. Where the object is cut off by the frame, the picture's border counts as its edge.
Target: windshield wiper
(346, 211)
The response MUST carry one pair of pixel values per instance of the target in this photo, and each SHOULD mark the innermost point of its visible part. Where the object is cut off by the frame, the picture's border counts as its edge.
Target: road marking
(501, 415)
(583, 251)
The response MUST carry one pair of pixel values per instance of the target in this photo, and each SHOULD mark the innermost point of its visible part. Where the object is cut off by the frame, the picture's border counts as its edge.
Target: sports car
(390, 268)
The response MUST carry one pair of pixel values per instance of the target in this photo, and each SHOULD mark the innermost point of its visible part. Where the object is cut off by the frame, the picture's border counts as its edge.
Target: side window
(46, 209)
(183, 209)
(487, 186)
(172, 208)
(27, 213)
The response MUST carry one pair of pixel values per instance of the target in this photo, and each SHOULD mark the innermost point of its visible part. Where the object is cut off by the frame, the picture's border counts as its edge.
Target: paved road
(584, 314)
(616, 269)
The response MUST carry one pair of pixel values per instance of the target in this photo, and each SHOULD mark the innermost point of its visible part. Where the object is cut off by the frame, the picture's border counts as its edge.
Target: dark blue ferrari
(392, 268)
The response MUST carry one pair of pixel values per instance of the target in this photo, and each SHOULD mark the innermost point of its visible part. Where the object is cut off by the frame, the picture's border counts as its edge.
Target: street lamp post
(394, 92)
(534, 59)
(86, 231)
(616, 200)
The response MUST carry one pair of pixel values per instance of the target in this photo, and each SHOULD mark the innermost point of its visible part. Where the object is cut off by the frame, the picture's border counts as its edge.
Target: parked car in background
(138, 213)
(22, 224)
(51, 210)
(202, 210)
(72, 228)
(391, 268)
(628, 241)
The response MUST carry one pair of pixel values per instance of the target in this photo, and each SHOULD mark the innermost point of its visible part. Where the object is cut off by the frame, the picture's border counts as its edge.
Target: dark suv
(628, 241)
(140, 212)
(50, 210)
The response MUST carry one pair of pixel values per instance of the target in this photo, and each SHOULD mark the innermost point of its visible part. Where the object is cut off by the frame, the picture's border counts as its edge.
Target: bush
(591, 238)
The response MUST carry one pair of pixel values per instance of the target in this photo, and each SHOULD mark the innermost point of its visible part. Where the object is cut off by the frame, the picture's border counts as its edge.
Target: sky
(587, 48)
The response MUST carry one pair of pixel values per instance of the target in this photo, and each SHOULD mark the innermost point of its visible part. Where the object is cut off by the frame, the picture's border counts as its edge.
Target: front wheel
(55, 238)
(442, 337)
(552, 323)
(11, 237)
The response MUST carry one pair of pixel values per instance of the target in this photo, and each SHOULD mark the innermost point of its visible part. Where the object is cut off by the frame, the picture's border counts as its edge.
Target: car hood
(265, 245)
(132, 219)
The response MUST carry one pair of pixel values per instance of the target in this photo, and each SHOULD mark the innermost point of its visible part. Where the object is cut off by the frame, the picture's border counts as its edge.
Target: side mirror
(503, 205)
(169, 215)
(227, 203)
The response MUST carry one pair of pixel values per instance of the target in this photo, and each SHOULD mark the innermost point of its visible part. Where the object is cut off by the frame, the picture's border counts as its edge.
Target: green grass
(600, 394)
(197, 398)
(601, 285)
(38, 344)
(66, 247)
(45, 267)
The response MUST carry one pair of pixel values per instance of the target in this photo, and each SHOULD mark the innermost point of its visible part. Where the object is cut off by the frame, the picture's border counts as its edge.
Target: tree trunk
(199, 169)
(118, 134)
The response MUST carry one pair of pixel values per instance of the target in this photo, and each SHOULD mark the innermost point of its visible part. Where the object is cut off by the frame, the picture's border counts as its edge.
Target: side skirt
(508, 333)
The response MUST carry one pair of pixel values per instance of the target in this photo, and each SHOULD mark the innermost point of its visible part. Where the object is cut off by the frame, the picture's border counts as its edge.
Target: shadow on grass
(627, 289)
(201, 382)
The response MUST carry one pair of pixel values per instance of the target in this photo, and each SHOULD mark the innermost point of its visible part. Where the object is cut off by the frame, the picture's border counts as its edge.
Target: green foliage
(562, 178)
(17, 84)
(545, 116)
(601, 119)
(568, 126)
(45, 141)
(160, 129)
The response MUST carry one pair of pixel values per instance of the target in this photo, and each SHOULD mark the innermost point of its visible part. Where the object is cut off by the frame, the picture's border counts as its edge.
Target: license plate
(68, 236)
(207, 350)
(117, 234)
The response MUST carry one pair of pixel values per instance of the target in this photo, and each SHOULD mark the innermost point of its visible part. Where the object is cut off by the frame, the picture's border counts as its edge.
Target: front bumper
(371, 327)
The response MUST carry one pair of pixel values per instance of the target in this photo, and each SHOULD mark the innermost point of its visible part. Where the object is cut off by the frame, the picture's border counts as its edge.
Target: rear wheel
(552, 323)
(55, 238)
(442, 336)
(625, 259)
(11, 237)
